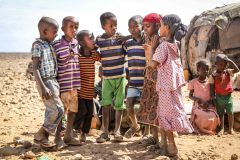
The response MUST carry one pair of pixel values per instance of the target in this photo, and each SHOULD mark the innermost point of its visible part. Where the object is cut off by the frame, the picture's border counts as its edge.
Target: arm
(46, 93)
(235, 67)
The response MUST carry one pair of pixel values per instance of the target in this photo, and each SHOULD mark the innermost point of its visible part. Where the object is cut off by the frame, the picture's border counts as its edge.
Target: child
(223, 89)
(166, 59)
(204, 117)
(136, 65)
(68, 73)
(45, 72)
(149, 99)
(112, 59)
(87, 58)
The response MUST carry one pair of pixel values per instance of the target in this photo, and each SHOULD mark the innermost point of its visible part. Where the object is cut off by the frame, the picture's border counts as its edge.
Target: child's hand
(46, 93)
(148, 51)
(154, 42)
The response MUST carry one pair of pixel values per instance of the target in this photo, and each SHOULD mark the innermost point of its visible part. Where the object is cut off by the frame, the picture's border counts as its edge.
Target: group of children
(65, 73)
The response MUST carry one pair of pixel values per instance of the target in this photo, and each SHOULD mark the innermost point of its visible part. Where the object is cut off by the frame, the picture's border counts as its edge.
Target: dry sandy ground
(21, 114)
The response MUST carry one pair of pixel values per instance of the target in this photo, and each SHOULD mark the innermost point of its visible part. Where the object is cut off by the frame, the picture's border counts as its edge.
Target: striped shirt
(68, 64)
(136, 63)
(87, 72)
(112, 56)
(47, 60)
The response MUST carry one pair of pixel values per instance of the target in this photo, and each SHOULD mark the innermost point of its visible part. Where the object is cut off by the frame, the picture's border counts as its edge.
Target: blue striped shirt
(136, 63)
(112, 56)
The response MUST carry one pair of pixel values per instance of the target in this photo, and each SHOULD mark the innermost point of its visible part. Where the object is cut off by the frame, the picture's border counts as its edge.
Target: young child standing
(223, 89)
(88, 56)
(112, 60)
(68, 73)
(149, 99)
(136, 65)
(204, 117)
(166, 59)
(45, 72)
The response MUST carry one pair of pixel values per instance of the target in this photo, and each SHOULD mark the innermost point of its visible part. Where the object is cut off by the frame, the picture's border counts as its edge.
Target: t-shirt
(68, 64)
(112, 56)
(222, 82)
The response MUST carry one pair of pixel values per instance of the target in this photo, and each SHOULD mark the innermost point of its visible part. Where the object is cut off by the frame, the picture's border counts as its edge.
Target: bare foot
(172, 149)
(83, 137)
(231, 131)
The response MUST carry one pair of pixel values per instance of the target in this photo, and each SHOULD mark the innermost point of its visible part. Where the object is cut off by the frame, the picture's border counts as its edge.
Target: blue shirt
(112, 56)
(47, 60)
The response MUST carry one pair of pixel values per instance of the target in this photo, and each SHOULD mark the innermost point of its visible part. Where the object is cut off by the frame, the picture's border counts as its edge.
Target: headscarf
(177, 29)
(152, 18)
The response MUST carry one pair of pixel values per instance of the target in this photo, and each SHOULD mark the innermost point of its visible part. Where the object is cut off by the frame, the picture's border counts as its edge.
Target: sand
(21, 114)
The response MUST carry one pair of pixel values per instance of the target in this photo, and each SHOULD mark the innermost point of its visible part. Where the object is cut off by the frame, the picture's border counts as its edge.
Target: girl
(149, 99)
(170, 110)
(204, 117)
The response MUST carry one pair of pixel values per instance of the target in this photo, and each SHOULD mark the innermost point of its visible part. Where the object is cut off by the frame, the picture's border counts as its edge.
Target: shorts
(113, 93)
(133, 92)
(224, 103)
(54, 110)
(70, 101)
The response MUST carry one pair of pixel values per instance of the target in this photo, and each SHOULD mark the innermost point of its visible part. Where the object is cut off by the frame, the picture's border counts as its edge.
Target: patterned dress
(149, 100)
(170, 109)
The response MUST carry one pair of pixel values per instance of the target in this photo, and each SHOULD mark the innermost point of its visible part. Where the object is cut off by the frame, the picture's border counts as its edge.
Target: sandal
(118, 137)
(61, 145)
(131, 132)
(148, 140)
(72, 142)
(103, 138)
(44, 143)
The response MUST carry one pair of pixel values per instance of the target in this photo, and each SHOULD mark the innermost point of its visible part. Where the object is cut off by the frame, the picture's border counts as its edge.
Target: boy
(45, 72)
(68, 73)
(223, 89)
(87, 58)
(136, 65)
(112, 59)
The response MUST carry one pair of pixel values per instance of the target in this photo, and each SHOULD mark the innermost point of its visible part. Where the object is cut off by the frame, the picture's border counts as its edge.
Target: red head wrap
(152, 18)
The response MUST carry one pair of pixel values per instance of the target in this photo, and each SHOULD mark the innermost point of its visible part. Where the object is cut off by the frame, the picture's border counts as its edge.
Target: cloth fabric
(152, 18)
(45, 52)
(136, 63)
(113, 93)
(222, 82)
(68, 64)
(170, 111)
(84, 116)
(70, 100)
(170, 73)
(98, 90)
(147, 113)
(54, 109)
(87, 74)
(112, 56)
(224, 102)
(170, 79)
(133, 92)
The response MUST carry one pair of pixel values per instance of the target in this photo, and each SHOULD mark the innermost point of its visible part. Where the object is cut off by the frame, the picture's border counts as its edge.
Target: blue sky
(19, 18)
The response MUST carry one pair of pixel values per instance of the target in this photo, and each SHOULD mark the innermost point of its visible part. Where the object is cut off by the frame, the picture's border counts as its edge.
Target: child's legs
(80, 115)
(132, 95)
(154, 130)
(107, 101)
(119, 94)
(172, 148)
(70, 101)
(88, 117)
(54, 108)
(229, 111)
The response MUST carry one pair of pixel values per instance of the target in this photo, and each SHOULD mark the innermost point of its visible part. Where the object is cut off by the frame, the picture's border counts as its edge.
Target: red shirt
(222, 82)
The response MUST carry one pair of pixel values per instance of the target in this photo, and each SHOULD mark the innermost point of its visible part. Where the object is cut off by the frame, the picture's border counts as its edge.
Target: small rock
(78, 157)
(29, 155)
(5, 119)
(234, 157)
(3, 133)
(7, 151)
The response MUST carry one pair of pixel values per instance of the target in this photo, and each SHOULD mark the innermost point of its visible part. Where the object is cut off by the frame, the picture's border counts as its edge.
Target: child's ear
(62, 28)
(45, 31)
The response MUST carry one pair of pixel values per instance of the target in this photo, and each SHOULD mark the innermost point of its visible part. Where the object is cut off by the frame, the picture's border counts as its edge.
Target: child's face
(221, 65)
(203, 70)
(70, 29)
(135, 29)
(150, 28)
(110, 26)
(88, 42)
(164, 29)
(51, 33)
